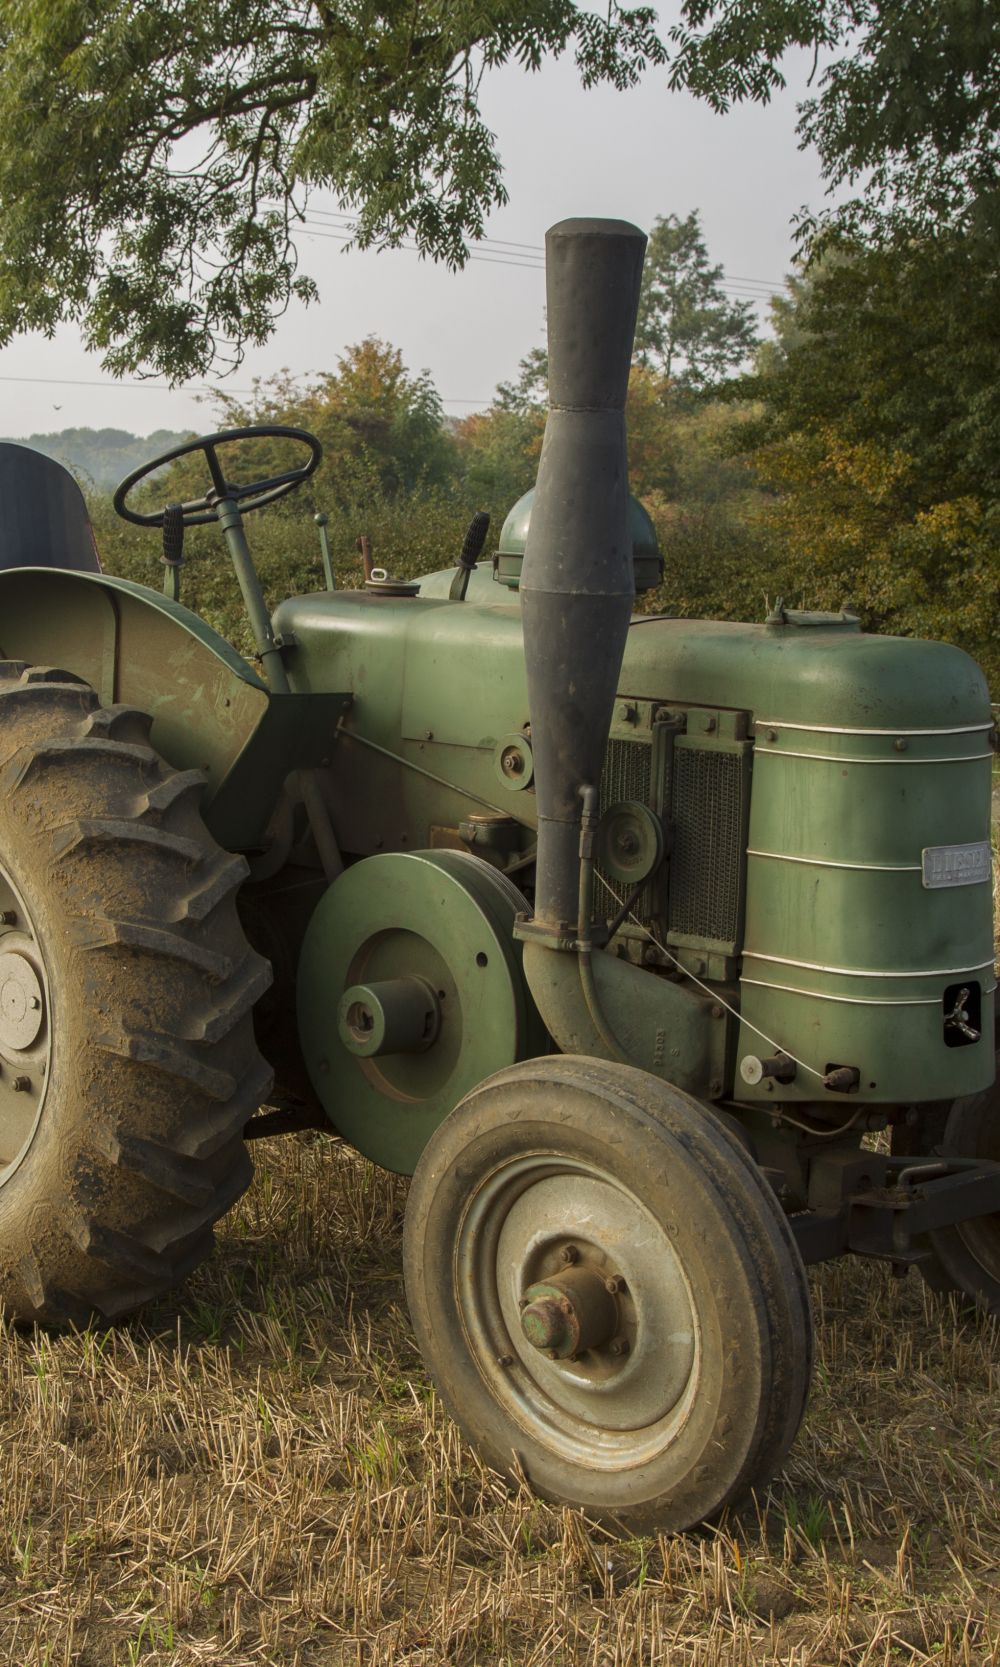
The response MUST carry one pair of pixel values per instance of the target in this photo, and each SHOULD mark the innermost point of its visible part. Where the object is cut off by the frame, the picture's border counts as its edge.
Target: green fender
(210, 710)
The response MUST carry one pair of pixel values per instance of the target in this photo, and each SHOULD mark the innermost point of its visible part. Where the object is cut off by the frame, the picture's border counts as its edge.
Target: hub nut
(567, 1314)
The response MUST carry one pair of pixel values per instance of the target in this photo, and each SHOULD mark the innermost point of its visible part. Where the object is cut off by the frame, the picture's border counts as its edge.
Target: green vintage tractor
(622, 935)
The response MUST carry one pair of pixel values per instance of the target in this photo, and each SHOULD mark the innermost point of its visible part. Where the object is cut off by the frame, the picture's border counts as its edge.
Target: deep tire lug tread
(53, 675)
(152, 1168)
(118, 1250)
(167, 1056)
(161, 1167)
(256, 981)
(28, 1266)
(87, 831)
(221, 883)
(156, 940)
(184, 785)
(230, 1121)
(119, 723)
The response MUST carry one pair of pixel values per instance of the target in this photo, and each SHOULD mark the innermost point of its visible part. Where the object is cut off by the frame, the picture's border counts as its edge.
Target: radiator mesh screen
(699, 892)
(627, 775)
(705, 866)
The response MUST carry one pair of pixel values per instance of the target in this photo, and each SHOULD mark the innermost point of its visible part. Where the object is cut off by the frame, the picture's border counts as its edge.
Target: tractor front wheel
(128, 1067)
(607, 1293)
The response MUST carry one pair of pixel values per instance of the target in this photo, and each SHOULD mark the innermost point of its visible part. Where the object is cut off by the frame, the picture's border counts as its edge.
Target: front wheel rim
(625, 1401)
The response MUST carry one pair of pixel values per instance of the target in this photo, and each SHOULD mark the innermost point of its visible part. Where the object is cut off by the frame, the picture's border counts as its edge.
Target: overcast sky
(629, 155)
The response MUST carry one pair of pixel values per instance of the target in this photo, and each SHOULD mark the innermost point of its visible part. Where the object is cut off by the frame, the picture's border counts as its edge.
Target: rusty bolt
(21, 1085)
(570, 1254)
(614, 1284)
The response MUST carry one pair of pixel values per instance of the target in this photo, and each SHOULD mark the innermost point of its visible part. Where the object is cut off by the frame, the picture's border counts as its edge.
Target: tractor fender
(210, 710)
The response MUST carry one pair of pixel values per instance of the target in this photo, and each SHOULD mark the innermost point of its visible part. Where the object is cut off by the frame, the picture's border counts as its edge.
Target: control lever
(472, 549)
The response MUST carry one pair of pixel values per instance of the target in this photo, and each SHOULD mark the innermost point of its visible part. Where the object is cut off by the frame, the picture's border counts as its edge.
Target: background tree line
(851, 457)
(156, 159)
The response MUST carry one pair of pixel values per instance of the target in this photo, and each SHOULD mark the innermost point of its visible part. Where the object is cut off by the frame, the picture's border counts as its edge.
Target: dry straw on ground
(262, 1474)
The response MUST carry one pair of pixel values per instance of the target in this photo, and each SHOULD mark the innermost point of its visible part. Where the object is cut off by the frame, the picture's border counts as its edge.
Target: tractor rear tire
(965, 1259)
(607, 1293)
(128, 1066)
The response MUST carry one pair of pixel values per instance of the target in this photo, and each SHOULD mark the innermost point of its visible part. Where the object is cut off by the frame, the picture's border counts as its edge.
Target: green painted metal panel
(436, 682)
(801, 673)
(210, 710)
(135, 646)
(398, 778)
(847, 954)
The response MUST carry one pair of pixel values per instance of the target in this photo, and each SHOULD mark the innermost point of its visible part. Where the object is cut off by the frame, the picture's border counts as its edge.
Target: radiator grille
(698, 894)
(627, 775)
(627, 772)
(706, 865)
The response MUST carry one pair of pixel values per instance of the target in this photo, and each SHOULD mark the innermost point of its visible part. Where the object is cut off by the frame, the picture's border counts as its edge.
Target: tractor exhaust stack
(577, 583)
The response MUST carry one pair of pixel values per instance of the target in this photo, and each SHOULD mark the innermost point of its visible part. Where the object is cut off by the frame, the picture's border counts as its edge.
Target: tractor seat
(43, 517)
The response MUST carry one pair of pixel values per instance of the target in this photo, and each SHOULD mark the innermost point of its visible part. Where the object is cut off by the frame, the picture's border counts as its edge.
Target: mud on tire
(124, 1144)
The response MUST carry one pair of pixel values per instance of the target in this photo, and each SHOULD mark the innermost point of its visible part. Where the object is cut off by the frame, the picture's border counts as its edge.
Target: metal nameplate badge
(957, 865)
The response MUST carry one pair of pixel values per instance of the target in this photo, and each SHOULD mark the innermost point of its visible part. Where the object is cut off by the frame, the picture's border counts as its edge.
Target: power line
(79, 382)
(495, 245)
(413, 248)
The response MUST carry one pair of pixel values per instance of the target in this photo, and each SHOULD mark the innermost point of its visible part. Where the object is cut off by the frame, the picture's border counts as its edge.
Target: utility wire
(497, 246)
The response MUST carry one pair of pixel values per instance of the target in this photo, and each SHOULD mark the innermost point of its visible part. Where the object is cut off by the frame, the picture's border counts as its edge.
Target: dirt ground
(261, 1473)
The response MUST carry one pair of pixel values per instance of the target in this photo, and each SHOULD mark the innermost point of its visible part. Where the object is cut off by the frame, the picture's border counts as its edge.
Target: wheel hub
(570, 1313)
(22, 1010)
(410, 991)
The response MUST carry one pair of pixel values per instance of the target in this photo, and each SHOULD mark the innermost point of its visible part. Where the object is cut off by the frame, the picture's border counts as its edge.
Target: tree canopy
(907, 101)
(154, 153)
(878, 437)
(688, 328)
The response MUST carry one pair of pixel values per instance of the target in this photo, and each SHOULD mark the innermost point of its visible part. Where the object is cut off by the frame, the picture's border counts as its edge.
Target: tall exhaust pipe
(577, 582)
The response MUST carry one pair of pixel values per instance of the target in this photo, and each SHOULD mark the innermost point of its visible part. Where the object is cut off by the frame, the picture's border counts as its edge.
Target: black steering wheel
(197, 512)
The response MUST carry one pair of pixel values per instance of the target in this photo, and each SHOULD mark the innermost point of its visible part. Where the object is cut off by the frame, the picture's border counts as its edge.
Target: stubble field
(261, 1473)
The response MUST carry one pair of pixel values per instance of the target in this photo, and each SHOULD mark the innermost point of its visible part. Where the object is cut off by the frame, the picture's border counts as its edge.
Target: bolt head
(570, 1254)
(7, 917)
(620, 1346)
(614, 1284)
(21, 1085)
